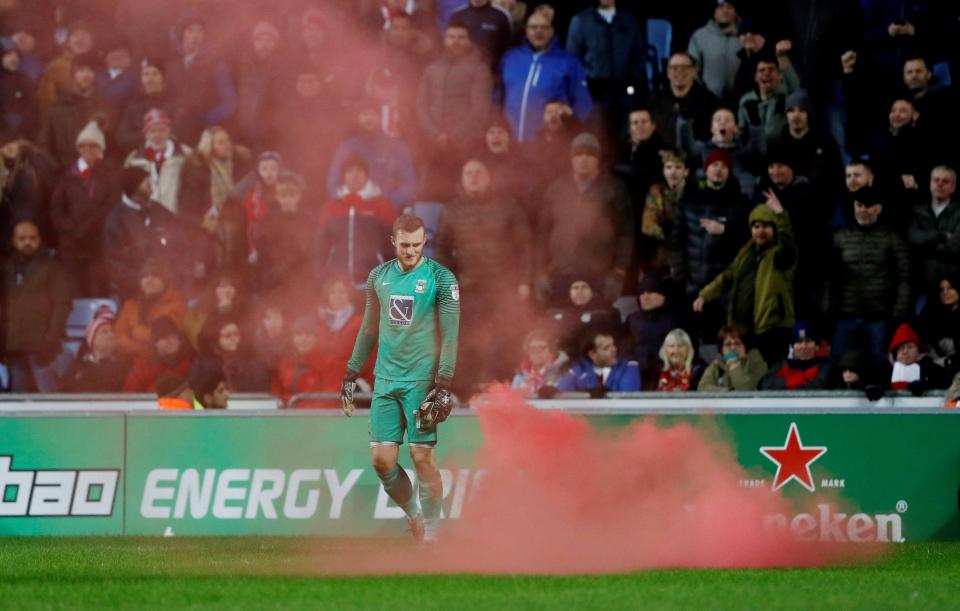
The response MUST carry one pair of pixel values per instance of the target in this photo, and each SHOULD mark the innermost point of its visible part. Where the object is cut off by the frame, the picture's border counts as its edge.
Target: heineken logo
(793, 460)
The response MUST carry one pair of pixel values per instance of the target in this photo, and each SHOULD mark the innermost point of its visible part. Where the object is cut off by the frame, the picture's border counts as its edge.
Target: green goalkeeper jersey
(415, 316)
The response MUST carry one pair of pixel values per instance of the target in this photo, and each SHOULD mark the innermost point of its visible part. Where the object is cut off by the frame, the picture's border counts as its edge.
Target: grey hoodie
(715, 51)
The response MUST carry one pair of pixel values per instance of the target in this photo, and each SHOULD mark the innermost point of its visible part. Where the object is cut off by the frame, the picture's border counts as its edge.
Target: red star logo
(793, 460)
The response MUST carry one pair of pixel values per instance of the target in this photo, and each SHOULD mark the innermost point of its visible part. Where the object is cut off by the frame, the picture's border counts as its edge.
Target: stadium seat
(942, 73)
(83, 312)
(430, 213)
(659, 41)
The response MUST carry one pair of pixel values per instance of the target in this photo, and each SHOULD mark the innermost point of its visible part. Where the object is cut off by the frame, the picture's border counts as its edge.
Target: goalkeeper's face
(409, 247)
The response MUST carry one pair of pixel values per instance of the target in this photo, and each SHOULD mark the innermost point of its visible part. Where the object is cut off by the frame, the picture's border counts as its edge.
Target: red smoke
(562, 498)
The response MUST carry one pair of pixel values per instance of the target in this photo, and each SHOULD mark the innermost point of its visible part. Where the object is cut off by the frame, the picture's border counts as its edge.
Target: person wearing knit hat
(719, 155)
(587, 225)
(84, 193)
(151, 92)
(162, 156)
(803, 370)
(657, 315)
(103, 317)
(101, 366)
(912, 369)
(91, 135)
(799, 99)
(760, 279)
(585, 143)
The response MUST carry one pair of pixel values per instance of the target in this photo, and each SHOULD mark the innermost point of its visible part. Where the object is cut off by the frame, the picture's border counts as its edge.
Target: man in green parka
(761, 281)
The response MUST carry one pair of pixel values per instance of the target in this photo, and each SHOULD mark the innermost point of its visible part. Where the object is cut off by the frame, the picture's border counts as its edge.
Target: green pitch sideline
(413, 311)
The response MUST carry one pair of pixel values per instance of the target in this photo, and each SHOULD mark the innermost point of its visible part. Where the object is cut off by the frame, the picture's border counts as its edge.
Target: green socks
(398, 486)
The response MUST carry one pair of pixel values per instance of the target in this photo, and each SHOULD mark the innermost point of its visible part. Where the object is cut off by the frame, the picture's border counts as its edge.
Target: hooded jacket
(715, 50)
(773, 287)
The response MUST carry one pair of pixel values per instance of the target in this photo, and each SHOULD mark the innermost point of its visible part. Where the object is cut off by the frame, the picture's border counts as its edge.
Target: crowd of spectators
(772, 205)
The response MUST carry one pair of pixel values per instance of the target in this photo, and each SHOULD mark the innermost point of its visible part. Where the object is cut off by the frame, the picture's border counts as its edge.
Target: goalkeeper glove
(435, 408)
(346, 392)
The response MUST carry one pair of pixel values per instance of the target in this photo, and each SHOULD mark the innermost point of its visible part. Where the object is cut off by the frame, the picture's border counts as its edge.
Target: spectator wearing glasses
(683, 100)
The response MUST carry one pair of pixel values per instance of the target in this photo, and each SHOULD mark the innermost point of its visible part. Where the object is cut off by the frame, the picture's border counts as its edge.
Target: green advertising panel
(61, 475)
(853, 477)
(291, 475)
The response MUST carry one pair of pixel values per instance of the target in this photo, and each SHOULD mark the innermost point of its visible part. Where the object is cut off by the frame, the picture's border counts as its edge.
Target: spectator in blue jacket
(600, 371)
(539, 71)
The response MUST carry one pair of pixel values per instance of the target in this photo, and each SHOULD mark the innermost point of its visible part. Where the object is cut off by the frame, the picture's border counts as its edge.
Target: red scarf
(673, 381)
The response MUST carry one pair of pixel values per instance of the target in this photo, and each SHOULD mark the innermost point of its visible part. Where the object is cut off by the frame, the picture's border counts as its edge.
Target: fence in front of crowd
(116, 465)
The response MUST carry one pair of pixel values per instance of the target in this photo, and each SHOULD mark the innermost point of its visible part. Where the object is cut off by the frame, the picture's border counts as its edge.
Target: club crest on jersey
(455, 292)
(421, 286)
(401, 310)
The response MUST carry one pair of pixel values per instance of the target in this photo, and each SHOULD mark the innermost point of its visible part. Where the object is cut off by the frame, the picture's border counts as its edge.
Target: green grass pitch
(261, 573)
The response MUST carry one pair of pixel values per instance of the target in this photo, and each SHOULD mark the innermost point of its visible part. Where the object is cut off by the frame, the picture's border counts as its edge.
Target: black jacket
(869, 274)
(702, 256)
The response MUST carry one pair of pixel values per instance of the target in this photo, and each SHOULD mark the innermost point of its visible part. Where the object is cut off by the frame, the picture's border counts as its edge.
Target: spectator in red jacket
(306, 368)
(355, 227)
(804, 370)
(169, 353)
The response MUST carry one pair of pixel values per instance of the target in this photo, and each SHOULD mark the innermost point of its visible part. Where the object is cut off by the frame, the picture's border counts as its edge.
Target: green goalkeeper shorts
(392, 411)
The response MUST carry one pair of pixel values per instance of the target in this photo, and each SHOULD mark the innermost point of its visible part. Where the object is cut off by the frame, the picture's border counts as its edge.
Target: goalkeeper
(413, 310)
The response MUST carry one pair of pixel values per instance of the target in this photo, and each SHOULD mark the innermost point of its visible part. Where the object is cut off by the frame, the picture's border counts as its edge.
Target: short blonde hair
(678, 336)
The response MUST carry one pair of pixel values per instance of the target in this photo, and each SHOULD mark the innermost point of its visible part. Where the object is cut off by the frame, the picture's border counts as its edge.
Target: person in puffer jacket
(710, 227)
(355, 227)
